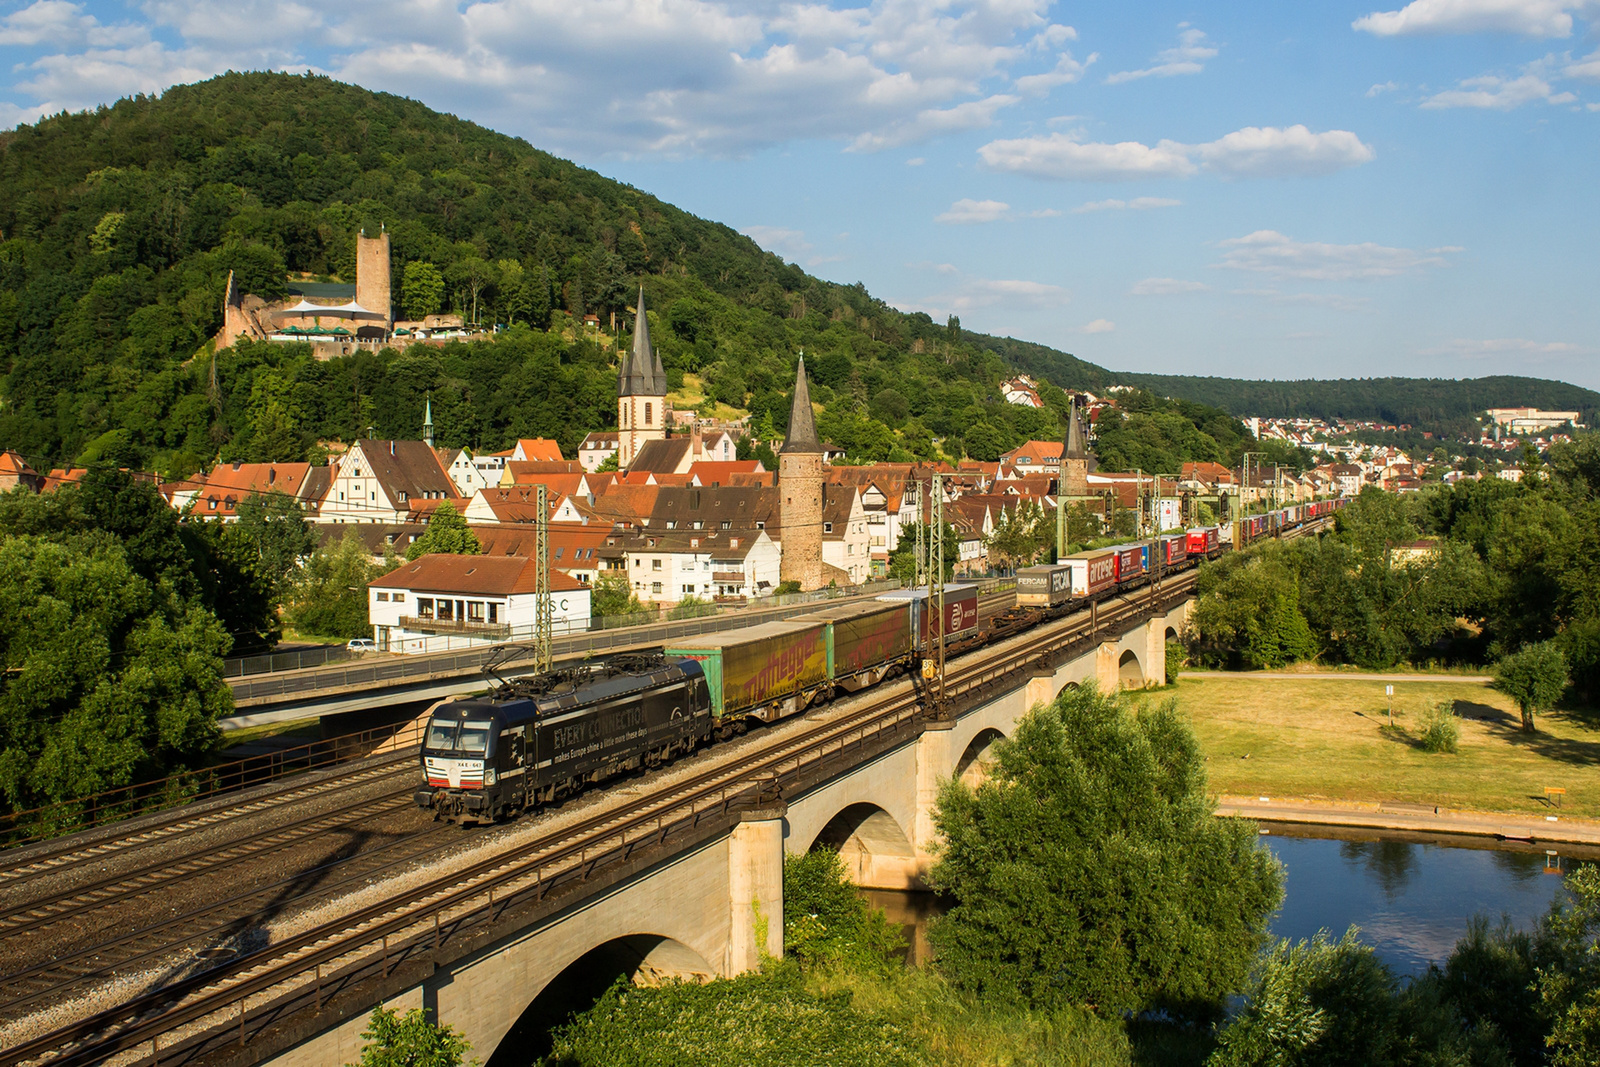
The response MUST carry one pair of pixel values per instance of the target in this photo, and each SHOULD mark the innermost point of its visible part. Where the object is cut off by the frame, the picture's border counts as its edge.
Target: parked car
(362, 645)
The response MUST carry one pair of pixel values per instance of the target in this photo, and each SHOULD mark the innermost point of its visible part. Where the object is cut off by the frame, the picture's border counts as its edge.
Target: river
(1410, 894)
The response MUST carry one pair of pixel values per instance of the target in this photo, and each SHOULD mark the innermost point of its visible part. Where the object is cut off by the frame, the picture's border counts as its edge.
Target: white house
(376, 481)
(597, 447)
(467, 472)
(440, 600)
(667, 566)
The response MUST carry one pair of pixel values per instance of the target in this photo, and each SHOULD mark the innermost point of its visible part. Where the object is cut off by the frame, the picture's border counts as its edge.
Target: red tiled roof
(498, 575)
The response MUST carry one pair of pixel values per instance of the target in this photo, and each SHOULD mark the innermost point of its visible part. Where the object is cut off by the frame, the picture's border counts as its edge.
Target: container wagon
(764, 672)
(866, 642)
(960, 606)
(1172, 550)
(1132, 562)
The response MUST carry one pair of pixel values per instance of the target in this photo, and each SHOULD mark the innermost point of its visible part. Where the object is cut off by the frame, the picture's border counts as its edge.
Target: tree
(411, 1040)
(1535, 677)
(1021, 535)
(827, 921)
(330, 599)
(1568, 980)
(611, 595)
(903, 561)
(447, 532)
(110, 679)
(275, 525)
(422, 290)
(610, 464)
(1089, 868)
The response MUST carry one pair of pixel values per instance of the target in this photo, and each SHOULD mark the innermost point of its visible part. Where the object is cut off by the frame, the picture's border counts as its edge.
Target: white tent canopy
(352, 310)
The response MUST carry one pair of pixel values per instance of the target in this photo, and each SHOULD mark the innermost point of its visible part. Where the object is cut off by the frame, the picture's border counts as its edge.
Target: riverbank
(1329, 749)
(1543, 829)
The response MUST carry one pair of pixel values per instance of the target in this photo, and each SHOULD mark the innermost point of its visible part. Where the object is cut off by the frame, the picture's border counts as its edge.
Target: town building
(387, 482)
(641, 394)
(334, 318)
(599, 447)
(478, 599)
(667, 566)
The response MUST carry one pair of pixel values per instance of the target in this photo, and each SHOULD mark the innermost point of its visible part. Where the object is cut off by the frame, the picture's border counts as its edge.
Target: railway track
(256, 987)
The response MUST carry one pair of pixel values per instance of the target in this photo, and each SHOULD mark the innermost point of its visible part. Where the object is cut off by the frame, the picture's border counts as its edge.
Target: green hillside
(118, 229)
(1435, 403)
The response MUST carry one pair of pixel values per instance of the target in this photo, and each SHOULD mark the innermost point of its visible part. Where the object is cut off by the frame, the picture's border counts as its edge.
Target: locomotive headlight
(491, 777)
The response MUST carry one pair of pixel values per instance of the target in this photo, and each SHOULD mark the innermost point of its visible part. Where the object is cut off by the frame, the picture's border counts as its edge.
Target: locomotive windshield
(450, 736)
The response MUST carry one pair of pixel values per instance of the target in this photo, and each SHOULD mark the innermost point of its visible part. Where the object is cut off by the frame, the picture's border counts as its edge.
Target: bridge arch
(644, 959)
(973, 766)
(1172, 634)
(1064, 690)
(876, 850)
(1130, 675)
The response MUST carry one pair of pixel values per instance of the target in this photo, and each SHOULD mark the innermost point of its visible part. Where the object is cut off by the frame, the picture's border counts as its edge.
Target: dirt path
(1416, 817)
(1336, 676)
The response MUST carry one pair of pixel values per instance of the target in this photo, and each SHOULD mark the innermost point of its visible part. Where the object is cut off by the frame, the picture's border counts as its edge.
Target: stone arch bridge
(713, 909)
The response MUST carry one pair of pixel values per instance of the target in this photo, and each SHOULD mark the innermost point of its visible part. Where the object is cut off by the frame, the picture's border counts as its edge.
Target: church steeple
(1075, 447)
(641, 373)
(802, 435)
(427, 421)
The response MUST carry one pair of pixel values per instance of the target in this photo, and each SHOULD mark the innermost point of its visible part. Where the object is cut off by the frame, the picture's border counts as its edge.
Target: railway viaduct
(714, 905)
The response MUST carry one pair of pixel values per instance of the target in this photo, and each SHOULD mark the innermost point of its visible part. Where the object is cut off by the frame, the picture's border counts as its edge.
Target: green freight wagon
(765, 671)
(865, 641)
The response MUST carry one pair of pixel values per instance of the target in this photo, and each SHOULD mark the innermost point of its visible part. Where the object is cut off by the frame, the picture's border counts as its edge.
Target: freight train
(533, 741)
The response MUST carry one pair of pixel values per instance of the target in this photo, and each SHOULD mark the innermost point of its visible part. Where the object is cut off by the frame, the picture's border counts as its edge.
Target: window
(399, 598)
(672, 524)
(474, 611)
(494, 612)
(827, 527)
(424, 607)
(445, 610)
(647, 413)
(761, 524)
(383, 597)
(655, 587)
(638, 563)
(688, 590)
(698, 525)
(655, 564)
(727, 524)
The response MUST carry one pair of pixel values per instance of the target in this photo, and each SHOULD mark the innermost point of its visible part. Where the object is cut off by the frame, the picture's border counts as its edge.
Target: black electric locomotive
(533, 740)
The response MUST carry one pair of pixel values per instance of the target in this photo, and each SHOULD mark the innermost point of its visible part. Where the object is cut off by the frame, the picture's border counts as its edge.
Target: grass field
(1331, 740)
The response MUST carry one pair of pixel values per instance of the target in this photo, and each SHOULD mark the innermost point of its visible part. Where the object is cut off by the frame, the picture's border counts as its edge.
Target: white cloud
(1100, 326)
(1253, 152)
(967, 293)
(915, 161)
(1335, 301)
(675, 77)
(62, 24)
(972, 115)
(1383, 87)
(1501, 94)
(1503, 346)
(1138, 203)
(1266, 151)
(1587, 68)
(1187, 58)
(1529, 18)
(1270, 252)
(1067, 70)
(1167, 287)
(1060, 155)
(967, 211)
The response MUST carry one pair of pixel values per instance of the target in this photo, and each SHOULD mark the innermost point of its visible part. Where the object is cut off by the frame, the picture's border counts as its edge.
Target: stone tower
(641, 393)
(800, 492)
(372, 275)
(1076, 460)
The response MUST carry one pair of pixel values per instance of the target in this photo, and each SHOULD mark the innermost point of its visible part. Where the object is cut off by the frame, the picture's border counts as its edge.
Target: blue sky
(1254, 189)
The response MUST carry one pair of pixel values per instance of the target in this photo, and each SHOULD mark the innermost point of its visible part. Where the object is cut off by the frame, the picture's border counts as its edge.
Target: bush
(1438, 728)
(825, 920)
(1175, 659)
(410, 1040)
(692, 607)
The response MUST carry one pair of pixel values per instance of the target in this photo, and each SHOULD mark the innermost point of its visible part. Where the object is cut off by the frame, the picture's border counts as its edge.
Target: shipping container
(1132, 561)
(1092, 571)
(761, 667)
(960, 606)
(1172, 549)
(865, 635)
(1044, 586)
(1203, 541)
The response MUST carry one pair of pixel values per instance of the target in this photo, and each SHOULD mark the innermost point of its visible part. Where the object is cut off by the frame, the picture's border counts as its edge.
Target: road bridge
(680, 875)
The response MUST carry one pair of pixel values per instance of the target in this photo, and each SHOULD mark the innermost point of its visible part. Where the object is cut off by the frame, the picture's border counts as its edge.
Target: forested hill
(118, 229)
(1432, 402)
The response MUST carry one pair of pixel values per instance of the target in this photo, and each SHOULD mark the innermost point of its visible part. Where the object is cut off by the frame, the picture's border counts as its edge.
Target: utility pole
(920, 546)
(542, 617)
(935, 605)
